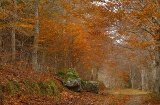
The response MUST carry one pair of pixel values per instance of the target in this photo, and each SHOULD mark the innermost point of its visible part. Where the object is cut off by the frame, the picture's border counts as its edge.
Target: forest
(80, 52)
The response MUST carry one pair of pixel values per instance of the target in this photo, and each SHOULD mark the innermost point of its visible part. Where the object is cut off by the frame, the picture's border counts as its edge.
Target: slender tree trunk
(13, 32)
(97, 73)
(1, 47)
(36, 33)
(0, 31)
(153, 73)
(43, 61)
(147, 81)
(131, 77)
(0, 38)
(55, 62)
(92, 74)
(143, 79)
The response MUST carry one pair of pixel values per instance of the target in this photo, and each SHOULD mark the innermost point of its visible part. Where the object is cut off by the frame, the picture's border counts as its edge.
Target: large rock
(90, 86)
(70, 79)
(73, 84)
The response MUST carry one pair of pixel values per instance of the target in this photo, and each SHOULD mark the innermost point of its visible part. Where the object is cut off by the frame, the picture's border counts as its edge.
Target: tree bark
(0, 30)
(92, 74)
(143, 79)
(97, 70)
(147, 81)
(156, 86)
(13, 32)
(0, 37)
(131, 77)
(36, 33)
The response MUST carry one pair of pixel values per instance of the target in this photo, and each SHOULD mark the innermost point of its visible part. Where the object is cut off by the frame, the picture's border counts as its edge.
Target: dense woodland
(113, 41)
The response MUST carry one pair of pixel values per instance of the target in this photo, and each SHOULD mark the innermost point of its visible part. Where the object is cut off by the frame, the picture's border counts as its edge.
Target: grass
(127, 92)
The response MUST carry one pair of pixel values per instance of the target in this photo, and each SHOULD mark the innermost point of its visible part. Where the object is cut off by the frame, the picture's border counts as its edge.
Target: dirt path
(135, 100)
(128, 96)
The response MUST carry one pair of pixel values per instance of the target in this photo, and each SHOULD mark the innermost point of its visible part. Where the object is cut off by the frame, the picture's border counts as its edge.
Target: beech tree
(13, 30)
(36, 33)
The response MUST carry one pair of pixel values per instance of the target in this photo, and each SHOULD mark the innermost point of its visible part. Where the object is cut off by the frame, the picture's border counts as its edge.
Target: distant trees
(137, 23)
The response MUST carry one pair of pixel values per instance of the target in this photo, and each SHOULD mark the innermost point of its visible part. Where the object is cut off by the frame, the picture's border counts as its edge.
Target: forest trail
(129, 96)
(135, 100)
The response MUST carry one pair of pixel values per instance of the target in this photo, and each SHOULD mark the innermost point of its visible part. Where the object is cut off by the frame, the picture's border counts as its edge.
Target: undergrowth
(30, 87)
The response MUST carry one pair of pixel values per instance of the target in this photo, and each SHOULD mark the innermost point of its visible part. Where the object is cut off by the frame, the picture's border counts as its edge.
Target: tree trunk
(147, 81)
(156, 86)
(92, 74)
(97, 73)
(143, 79)
(36, 33)
(55, 62)
(13, 32)
(131, 78)
(0, 38)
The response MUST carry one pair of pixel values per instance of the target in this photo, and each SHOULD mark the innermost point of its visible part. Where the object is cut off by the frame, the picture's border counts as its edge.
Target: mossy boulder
(90, 86)
(70, 79)
(65, 73)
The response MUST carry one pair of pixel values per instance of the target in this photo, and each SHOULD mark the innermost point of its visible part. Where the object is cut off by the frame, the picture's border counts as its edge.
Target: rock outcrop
(71, 80)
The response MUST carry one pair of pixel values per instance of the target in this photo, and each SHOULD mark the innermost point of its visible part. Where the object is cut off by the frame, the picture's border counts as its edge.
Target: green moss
(54, 87)
(10, 88)
(65, 73)
(43, 87)
(39, 87)
(48, 88)
(31, 87)
(17, 85)
(84, 83)
(61, 74)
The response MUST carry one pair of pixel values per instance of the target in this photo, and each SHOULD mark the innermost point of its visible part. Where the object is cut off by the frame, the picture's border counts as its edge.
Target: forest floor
(122, 98)
(65, 96)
